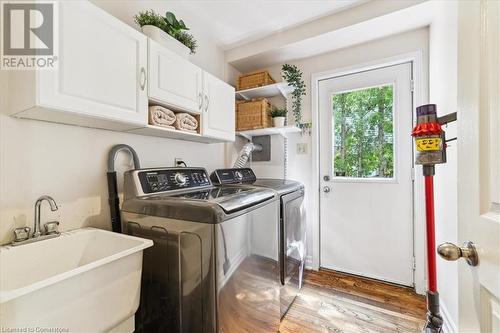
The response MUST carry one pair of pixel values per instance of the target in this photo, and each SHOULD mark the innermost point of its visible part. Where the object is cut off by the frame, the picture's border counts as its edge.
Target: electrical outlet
(179, 162)
(301, 148)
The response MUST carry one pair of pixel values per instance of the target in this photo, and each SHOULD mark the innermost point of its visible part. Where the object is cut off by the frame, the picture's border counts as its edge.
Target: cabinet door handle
(200, 101)
(207, 101)
(143, 78)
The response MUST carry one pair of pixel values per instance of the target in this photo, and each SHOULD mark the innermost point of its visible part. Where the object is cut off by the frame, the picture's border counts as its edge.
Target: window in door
(363, 133)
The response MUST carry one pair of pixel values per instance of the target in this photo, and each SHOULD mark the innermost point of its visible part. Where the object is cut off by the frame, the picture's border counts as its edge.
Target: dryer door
(247, 271)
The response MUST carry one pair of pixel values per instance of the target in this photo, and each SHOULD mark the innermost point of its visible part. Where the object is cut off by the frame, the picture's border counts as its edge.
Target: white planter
(166, 40)
(279, 121)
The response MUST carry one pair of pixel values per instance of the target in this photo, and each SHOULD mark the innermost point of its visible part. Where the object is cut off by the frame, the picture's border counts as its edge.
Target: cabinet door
(102, 68)
(218, 108)
(174, 81)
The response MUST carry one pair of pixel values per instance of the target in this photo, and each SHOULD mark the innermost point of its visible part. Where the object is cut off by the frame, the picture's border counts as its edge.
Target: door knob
(326, 189)
(451, 252)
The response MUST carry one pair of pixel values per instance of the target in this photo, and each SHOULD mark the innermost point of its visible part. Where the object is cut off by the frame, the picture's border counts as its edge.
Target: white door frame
(420, 96)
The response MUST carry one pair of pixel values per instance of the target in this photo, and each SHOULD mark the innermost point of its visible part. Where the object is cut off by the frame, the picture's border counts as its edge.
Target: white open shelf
(283, 131)
(152, 101)
(270, 90)
(151, 130)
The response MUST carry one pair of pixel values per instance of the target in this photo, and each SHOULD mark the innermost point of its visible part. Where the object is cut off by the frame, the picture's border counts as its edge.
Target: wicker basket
(253, 114)
(254, 79)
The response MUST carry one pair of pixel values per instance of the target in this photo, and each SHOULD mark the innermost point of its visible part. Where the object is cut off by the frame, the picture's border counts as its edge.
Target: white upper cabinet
(218, 108)
(174, 81)
(182, 86)
(107, 75)
(101, 80)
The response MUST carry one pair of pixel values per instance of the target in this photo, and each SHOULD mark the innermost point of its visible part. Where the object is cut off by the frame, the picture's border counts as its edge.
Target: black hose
(114, 202)
(114, 151)
(113, 199)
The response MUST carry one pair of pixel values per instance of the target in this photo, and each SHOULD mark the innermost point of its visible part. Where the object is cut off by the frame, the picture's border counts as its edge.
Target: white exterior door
(173, 81)
(479, 163)
(366, 205)
(102, 67)
(218, 108)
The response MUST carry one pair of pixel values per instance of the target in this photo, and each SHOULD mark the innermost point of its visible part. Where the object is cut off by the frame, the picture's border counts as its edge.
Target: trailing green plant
(150, 17)
(278, 112)
(293, 76)
(187, 39)
(169, 24)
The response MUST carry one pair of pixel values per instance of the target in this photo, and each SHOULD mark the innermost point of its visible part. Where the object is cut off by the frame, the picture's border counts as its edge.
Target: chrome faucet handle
(51, 227)
(21, 234)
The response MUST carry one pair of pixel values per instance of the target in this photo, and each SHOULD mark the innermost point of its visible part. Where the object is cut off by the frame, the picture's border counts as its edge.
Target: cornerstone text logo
(29, 37)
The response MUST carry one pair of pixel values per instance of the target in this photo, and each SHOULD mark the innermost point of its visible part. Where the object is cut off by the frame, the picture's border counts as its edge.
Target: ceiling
(362, 24)
(230, 23)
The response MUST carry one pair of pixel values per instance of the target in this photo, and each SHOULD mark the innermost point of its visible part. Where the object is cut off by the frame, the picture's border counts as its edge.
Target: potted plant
(293, 77)
(168, 31)
(278, 114)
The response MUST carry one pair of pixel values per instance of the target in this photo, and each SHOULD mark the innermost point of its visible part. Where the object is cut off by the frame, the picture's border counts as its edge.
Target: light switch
(301, 148)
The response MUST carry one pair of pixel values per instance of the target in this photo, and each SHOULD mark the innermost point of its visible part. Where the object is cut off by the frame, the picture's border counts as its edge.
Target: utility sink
(86, 280)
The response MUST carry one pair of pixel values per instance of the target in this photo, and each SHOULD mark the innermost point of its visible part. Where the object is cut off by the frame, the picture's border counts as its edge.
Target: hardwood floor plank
(336, 302)
(390, 296)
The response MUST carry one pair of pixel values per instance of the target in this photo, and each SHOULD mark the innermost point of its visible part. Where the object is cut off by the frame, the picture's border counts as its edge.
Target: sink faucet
(23, 235)
(37, 230)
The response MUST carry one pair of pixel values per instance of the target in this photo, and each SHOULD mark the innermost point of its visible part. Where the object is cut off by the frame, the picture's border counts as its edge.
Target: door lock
(326, 178)
(451, 252)
(326, 189)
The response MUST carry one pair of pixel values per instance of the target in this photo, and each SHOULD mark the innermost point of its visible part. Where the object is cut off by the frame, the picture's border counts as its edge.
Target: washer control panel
(169, 179)
(233, 176)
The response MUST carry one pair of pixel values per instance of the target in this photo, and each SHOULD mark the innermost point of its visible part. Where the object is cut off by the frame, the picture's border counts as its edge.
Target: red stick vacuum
(430, 145)
(431, 239)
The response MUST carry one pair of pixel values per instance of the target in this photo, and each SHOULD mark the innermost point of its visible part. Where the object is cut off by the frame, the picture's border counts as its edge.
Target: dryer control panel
(233, 176)
(169, 179)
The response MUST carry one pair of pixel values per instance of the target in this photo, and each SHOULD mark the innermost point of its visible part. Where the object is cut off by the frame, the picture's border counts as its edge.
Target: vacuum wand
(430, 232)
(430, 142)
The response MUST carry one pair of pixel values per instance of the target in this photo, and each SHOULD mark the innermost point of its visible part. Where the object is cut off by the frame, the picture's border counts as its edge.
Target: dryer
(292, 236)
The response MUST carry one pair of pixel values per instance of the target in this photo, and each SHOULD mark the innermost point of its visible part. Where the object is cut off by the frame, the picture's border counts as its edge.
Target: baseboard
(449, 325)
(309, 262)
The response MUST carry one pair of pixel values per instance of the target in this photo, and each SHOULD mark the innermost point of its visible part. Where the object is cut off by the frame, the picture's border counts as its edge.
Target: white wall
(69, 162)
(443, 92)
(300, 166)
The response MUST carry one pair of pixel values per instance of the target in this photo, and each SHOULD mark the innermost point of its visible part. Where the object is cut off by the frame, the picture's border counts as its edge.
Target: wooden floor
(336, 302)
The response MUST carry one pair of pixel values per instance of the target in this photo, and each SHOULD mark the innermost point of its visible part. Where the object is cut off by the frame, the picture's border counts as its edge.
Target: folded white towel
(186, 122)
(160, 116)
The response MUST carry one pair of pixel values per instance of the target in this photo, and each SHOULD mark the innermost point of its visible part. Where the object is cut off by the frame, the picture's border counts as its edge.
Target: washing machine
(214, 266)
(292, 236)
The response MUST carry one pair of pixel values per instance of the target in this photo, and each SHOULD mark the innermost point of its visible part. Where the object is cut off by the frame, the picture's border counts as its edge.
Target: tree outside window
(363, 133)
